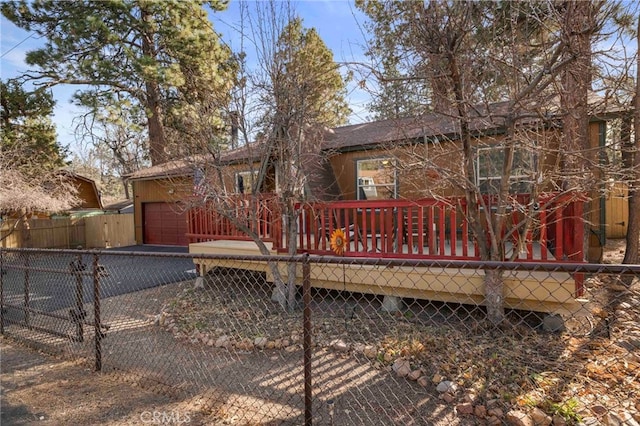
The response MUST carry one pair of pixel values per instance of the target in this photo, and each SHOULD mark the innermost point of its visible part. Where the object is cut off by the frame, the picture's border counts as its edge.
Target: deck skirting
(550, 292)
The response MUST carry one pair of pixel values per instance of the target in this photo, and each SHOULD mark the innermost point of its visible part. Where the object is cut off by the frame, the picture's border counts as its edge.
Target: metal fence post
(27, 310)
(78, 315)
(96, 314)
(1, 292)
(306, 297)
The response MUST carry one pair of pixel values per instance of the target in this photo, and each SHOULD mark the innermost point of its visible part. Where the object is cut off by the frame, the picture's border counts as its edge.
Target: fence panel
(110, 230)
(369, 342)
(60, 233)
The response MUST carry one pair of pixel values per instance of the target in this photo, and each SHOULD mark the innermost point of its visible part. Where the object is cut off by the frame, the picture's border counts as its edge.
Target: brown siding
(87, 194)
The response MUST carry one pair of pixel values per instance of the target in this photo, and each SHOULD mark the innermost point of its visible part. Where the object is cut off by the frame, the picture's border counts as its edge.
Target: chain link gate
(347, 353)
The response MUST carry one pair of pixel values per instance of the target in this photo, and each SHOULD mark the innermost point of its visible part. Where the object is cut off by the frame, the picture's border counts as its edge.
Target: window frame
(360, 187)
(247, 188)
(520, 164)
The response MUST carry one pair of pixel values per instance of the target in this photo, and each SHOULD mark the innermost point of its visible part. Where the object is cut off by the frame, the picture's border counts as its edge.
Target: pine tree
(159, 55)
(28, 136)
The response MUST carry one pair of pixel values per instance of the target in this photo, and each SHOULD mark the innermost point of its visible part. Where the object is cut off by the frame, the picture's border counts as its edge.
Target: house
(88, 196)
(88, 193)
(384, 184)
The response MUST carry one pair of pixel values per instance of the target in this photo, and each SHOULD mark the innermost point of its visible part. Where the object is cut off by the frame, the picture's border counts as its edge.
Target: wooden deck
(407, 229)
(535, 291)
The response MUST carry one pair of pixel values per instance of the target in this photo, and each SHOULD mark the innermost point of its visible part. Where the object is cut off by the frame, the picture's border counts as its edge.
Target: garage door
(165, 224)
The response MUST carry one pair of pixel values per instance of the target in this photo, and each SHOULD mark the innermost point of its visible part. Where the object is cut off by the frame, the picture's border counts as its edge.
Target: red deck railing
(437, 229)
(426, 228)
(259, 214)
(413, 229)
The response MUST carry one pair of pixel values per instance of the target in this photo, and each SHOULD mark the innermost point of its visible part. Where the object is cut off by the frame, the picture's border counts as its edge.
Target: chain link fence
(361, 341)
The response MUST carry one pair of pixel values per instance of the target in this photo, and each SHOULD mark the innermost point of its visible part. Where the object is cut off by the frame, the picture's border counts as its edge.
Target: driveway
(126, 270)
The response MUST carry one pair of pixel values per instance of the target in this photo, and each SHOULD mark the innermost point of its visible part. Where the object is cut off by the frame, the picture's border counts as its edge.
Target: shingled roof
(484, 119)
(431, 125)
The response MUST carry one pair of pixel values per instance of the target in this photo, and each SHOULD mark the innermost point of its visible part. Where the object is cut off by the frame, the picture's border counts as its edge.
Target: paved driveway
(127, 269)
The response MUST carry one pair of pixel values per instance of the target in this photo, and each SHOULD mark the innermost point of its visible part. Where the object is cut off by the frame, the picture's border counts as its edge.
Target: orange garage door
(165, 224)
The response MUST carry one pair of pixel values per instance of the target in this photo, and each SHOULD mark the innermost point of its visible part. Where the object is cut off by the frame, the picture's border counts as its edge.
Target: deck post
(391, 304)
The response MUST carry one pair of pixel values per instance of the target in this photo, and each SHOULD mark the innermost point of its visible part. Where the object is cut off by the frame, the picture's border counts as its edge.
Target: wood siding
(88, 194)
(155, 191)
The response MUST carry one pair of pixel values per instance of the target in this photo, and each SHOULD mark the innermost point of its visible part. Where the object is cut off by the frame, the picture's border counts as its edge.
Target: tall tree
(115, 135)
(577, 30)
(306, 95)
(156, 54)
(471, 55)
(30, 158)
(27, 132)
(281, 109)
(631, 155)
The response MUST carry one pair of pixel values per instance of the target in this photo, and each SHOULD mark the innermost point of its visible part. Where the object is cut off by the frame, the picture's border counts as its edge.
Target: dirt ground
(40, 389)
(37, 388)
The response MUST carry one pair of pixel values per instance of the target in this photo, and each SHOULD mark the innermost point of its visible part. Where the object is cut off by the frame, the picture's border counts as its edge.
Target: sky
(337, 21)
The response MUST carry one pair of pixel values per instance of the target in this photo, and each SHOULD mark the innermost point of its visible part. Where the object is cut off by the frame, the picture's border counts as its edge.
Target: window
(244, 181)
(376, 179)
(489, 163)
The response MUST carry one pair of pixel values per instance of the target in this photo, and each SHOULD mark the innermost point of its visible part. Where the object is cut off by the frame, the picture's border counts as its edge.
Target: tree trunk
(157, 138)
(576, 83)
(494, 295)
(633, 230)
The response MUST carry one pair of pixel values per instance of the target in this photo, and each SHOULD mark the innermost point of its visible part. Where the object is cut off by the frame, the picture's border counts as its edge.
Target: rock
(370, 352)
(391, 304)
(470, 397)
(590, 421)
(414, 375)
(401, 367)
(599, 410)
(558, 420)
(388, 357)
(358, 347)
(539, 417)
(260, 342)
(211, 342)
(465, 408)
(199, 283)
(156, 319)
(495, 412)
(518, 418)
(285, 343)
(480, 411)
(447, 397)
(339, 345)
(270, 345)
(423, 381)
(244, 345)
(553, 323)
(437, 378)
(223, 342)
(494, 421)
(447, 386)
(620, 419)
(492, 402)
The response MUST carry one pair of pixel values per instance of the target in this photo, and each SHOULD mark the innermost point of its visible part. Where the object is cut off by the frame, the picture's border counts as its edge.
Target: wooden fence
(617, 210)
(102, 231)
(109, 230)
